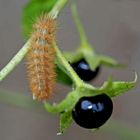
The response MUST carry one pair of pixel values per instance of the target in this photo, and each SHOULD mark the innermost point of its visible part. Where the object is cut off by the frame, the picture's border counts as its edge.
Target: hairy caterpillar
(41, 57)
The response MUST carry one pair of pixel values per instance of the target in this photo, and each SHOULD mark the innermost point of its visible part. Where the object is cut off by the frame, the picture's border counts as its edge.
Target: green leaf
(83, 53)
(62, 77)
(65, 105)
(120, 87)
(92, 60)
(65, 121)
(73, 56)
(110, 88)
(62, 74)
(32, 10)
(108, 61)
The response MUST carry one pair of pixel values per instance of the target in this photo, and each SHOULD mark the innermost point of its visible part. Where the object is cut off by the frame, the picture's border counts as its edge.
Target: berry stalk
(82, 34)
(78, 82)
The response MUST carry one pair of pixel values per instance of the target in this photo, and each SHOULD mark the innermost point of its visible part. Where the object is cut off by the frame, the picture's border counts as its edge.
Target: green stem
(78, 82)
(22, 52)
(57, 8)
(14, 61)
(83, 38)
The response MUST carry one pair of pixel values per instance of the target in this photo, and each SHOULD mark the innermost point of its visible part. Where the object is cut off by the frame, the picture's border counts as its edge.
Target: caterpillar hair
(41, 58)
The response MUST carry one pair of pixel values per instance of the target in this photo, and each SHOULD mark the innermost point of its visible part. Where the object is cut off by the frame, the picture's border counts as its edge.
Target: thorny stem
(78, 82)
(24, 50)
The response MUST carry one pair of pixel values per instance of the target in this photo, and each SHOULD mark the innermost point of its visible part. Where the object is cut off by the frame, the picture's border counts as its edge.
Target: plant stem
(57, 8)
(14, 61)
(78, 82)
(83, 38)
(24, 50)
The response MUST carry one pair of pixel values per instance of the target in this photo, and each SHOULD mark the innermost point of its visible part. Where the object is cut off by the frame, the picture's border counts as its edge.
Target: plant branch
(15, 61)
(24, 50)
(57, 8)
(78, 82)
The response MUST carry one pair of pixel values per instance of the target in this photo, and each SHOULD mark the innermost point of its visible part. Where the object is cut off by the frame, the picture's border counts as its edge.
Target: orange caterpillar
(41, 57)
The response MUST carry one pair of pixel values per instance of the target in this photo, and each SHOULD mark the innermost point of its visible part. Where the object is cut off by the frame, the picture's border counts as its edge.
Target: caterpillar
(41, 58)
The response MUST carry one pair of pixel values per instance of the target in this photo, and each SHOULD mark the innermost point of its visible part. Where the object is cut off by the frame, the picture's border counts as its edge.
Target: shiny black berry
(82, 69)
(92, 112)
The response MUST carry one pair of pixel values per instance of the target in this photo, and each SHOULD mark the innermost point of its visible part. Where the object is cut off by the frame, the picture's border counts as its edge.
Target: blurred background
(113, 27)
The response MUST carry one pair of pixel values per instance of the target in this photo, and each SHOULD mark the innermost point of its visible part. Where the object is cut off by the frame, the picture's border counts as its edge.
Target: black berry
(92, 112)
(82, 69)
